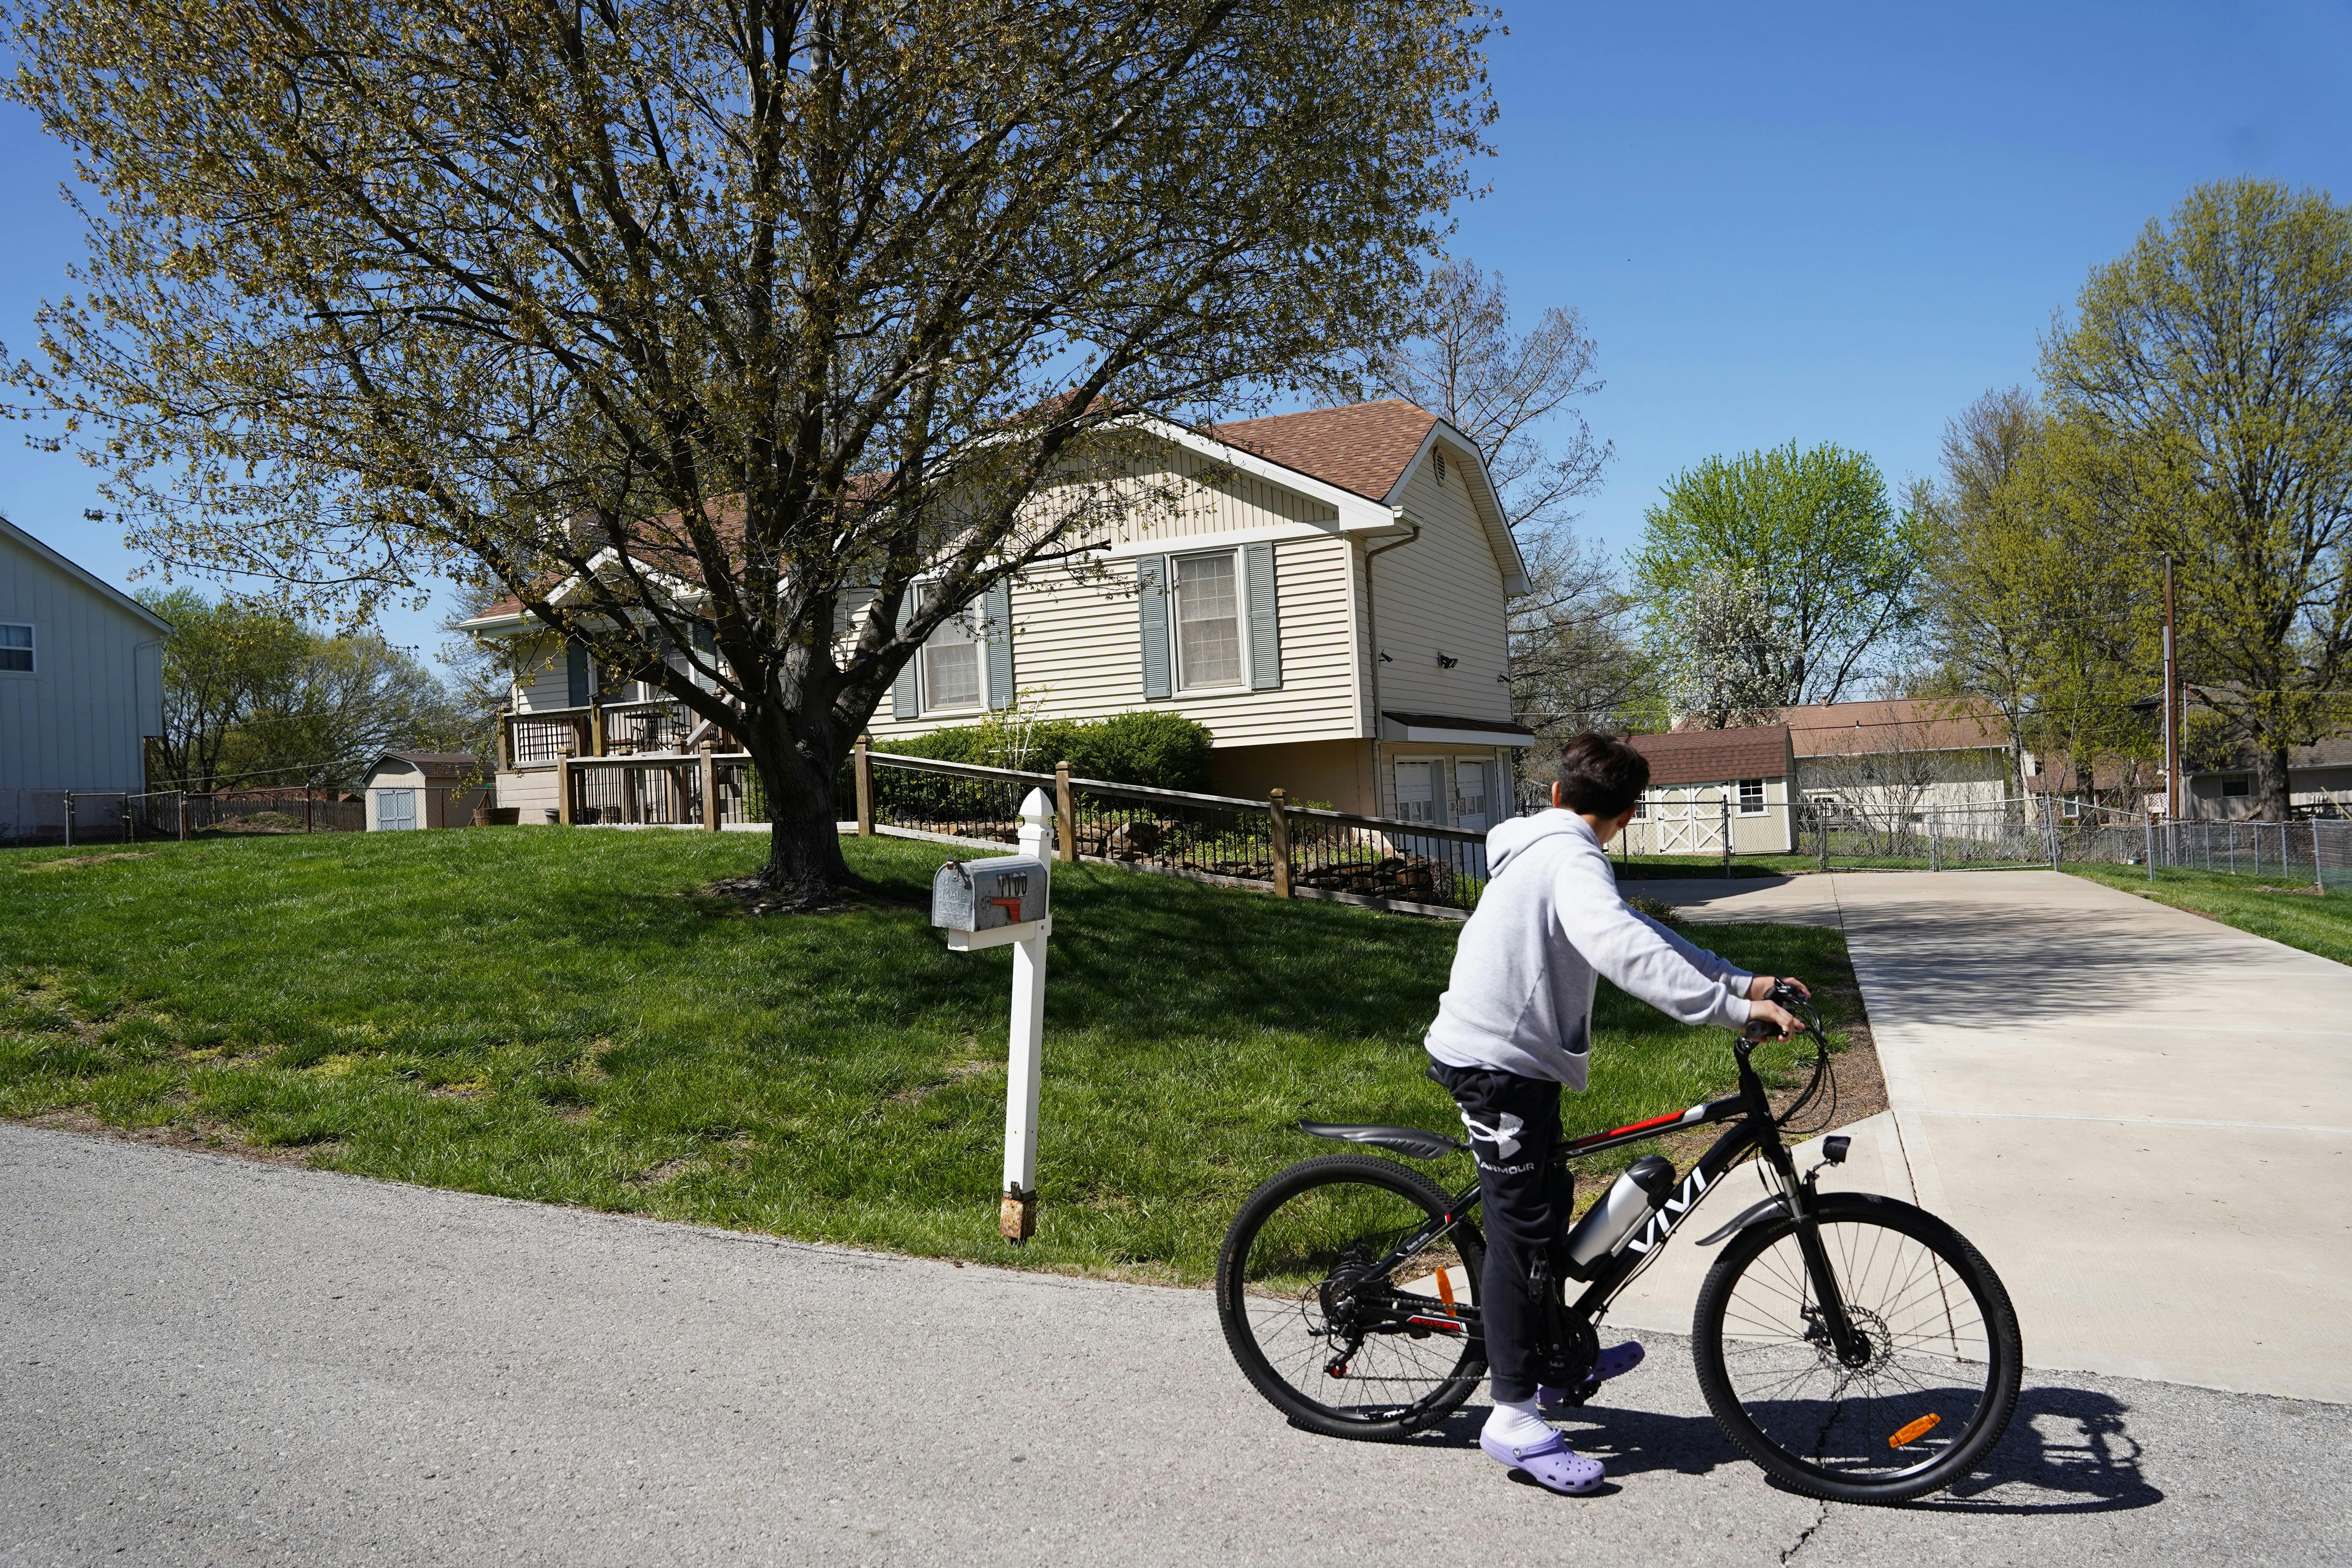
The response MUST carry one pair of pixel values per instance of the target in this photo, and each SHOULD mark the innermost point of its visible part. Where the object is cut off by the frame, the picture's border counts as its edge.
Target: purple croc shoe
(1553, 1463)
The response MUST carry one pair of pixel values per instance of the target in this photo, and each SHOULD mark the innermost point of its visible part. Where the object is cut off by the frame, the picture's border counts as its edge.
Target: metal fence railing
(111, 816)
(1293, 851)
(2316, 853)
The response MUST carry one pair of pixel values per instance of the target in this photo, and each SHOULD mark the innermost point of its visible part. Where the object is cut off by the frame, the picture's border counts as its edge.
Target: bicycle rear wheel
(1322, 1309)
(1941, 1363)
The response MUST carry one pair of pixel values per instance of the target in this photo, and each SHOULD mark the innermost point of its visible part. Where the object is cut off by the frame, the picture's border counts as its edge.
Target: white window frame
(32, 630)
(1745, 809)
(1441, 786)
(1241, 625)
(923, 702)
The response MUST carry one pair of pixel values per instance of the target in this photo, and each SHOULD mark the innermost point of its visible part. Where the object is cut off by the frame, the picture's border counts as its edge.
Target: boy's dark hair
(1600, 776)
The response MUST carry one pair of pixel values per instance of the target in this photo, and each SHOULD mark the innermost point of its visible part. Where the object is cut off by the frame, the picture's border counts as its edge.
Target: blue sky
(1795, 221)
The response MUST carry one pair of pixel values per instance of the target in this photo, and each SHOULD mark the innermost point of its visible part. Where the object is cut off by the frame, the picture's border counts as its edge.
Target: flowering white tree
(1729, 659)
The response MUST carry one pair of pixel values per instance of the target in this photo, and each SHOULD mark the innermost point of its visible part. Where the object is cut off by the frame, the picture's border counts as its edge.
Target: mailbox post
(999, 902)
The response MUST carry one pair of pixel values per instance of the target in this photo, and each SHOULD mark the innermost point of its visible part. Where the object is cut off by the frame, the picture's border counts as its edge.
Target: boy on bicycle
(1516, 1024)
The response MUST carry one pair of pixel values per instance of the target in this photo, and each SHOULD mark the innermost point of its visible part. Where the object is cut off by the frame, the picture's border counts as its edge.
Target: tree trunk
(2271, 791)
(804, 864)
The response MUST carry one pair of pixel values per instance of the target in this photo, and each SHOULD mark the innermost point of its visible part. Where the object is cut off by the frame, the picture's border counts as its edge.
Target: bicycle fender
(1771, 1208)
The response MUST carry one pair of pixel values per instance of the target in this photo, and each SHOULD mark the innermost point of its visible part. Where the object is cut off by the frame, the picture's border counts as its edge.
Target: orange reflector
(1918, 1429)
(1445, 1290)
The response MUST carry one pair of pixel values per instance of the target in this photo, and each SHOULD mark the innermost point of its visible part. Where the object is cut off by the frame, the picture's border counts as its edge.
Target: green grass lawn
(2282, 908)
(559, 1014)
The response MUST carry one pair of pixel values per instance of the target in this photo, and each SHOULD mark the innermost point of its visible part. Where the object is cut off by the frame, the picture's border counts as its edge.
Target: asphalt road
(207, 1361)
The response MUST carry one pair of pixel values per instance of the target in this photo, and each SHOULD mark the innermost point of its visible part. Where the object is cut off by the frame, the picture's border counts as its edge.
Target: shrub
(1166, 749)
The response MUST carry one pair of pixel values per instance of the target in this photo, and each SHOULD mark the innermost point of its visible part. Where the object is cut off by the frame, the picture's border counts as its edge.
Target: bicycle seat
(1411, 1141)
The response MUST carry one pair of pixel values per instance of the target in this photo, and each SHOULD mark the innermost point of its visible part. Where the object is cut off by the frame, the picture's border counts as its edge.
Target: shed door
(395, 810)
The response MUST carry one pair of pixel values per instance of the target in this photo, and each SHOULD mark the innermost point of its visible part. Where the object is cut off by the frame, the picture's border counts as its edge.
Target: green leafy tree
(2035, 592)
(219, 659)
(723, 313)
(2205, 384)
(342, 703)
(1815, 532)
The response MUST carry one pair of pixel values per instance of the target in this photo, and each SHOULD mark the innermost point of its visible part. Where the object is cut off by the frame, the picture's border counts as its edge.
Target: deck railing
(540, 737)
(668, 789)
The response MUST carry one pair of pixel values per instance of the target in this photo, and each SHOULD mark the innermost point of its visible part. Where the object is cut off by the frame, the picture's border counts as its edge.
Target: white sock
(1517, 1426)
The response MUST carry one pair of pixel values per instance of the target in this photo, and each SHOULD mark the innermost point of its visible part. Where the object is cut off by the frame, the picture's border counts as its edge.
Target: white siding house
(1325, 592)
(81, 686)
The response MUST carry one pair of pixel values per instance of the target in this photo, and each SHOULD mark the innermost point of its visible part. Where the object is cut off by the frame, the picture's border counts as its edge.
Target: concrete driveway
(2143, 1118)
(212, 1361)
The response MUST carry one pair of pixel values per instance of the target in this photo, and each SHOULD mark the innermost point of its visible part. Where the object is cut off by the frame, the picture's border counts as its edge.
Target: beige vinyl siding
(1215, 500)
(1442, 594)
(534, 794)
(1076, 649)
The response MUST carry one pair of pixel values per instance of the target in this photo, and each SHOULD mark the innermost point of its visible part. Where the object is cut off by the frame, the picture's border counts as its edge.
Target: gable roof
(1904, 724)
(1712, 756)
(433, 764)
(87, 578)
(1364, 448)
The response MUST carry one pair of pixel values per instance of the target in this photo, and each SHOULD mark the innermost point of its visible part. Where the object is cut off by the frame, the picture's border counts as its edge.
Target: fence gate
(1683, 824)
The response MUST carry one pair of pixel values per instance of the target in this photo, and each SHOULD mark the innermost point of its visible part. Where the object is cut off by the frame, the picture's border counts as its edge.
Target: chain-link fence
(121, 816)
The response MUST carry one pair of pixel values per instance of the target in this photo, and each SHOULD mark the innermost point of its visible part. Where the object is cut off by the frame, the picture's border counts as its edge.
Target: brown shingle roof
(1906, 725)
(1710, 756)
(1362, 448)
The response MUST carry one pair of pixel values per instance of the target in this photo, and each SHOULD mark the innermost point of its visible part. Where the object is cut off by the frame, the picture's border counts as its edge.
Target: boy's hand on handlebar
(1773, 1016)
(1761, 986)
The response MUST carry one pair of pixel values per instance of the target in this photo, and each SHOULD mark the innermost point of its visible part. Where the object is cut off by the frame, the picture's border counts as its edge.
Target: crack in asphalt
(1798, 1545)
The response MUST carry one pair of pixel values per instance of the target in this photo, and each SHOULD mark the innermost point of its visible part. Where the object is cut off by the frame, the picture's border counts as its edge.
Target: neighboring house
(2318, 781)
(1325, 592)
(1704, 782)
(1902, 757)
(422, 789)
(81, 688)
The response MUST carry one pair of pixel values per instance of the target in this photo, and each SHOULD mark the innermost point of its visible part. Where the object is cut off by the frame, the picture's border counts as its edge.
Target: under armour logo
(1504, 1135)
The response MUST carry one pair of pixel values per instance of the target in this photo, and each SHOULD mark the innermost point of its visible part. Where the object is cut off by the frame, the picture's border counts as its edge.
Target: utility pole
(2172, 711)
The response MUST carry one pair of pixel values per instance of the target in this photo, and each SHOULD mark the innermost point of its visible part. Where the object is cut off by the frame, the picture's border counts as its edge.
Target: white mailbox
(972, 898)
(1004, 901)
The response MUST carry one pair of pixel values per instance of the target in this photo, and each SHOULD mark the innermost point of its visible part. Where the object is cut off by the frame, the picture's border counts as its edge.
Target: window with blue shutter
(1264, 629)
(1151, 616)
(996, 639)
(906, 692)
(575, 670)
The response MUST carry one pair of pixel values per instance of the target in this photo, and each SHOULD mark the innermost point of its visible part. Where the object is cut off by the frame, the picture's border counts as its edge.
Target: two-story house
(1324, 591)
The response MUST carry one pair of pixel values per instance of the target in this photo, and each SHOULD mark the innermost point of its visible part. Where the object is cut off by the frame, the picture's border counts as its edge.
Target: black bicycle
(1855, 1347)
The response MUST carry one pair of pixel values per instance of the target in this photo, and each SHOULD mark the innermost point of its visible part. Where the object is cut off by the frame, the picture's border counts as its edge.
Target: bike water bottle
(1630, 1201)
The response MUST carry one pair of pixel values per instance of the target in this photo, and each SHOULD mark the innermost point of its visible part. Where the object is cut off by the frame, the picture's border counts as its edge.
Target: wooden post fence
(1065, 812)
(1278, 841)
(862, 764)
(564, 791)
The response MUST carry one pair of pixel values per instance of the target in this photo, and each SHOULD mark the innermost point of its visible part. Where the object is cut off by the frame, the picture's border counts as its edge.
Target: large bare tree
(688, 322)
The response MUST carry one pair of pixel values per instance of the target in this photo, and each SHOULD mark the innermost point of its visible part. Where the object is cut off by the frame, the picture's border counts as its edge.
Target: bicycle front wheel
(1336, 1313)
(1935, 1377)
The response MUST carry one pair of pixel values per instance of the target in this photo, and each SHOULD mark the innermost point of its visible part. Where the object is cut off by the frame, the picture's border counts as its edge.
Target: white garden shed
(422, 789)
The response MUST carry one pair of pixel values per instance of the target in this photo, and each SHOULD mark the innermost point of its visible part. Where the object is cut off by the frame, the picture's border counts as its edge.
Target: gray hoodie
(1520, 997)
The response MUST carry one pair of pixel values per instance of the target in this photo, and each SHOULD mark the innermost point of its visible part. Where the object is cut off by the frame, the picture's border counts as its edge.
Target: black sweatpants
(1526, 1198)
